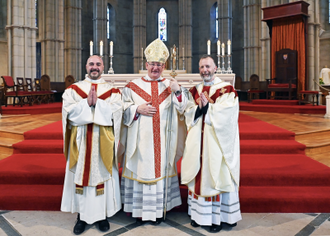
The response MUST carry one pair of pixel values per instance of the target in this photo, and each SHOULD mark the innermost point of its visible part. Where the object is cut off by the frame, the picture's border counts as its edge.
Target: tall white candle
(223, 49)
(182, 52)
(101, 48)
(208, 47)
(142, 52)
(111, 48)
(218, 47)
(229, 46)
(91, 48)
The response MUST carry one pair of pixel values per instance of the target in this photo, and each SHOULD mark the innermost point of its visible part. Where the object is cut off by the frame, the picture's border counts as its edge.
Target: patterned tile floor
(41, 223)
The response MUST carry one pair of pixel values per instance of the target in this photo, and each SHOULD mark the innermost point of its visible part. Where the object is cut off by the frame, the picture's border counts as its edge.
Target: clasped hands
(147, 109)
(203, 101)
(92, 97)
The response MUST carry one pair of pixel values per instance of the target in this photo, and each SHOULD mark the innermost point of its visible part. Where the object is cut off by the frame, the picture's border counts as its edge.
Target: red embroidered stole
(156, 100)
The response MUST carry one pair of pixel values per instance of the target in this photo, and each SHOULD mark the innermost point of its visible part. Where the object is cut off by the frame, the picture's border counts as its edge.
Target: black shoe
(230, 225)
(79, 228)
(215, 228)
(194, 224)
(103, 225)
(139, 221)
(158, 221)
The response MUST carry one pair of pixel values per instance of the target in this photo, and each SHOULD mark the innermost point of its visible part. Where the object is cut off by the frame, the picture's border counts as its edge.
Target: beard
(207, 77)
(94, 76)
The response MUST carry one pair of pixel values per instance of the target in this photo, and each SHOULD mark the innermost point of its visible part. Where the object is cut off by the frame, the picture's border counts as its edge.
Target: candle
(218, 47)
(208, 47)
(91, 48)
(142, 52)
(101, 48)
(223, 49)
(182, 52)
(111, 48)
(229, 46)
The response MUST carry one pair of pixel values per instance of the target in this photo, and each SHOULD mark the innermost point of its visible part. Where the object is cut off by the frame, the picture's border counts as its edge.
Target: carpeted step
(51, 131)
(282, 170)
(271, 147)
(33, 168)
(275, 102)
(285, 199)
(30, 197)
(39, 146)
(55, 107)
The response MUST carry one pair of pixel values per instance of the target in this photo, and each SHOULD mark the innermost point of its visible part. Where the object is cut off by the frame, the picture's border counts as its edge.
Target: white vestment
(325, 75)
(211, 160)
(91, 125)
(145, 143)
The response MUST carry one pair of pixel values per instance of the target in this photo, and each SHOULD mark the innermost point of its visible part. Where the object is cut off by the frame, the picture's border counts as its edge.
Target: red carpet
(35, 109)
(276, 175)
(281, 106)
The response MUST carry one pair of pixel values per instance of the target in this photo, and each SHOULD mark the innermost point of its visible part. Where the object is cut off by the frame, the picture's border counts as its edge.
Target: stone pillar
(185, 34)
(100, 31)
(252, 29)
(139, 33)
(265, 47)
(72, 46)
(311, 46)
(21, 35)
(51, 35)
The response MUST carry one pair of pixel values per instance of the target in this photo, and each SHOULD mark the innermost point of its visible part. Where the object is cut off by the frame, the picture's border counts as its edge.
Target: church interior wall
(237, 62)
(172, 10)
(324, 35)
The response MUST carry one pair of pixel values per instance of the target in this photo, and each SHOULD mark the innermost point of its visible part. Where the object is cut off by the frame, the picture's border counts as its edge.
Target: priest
(211, 159)
(153, 139)
(91, 116)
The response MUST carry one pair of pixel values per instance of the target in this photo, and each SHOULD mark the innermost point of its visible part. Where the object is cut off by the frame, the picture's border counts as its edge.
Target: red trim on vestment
(78, 90)
(88, 155)
(156, 100)
(108, 93)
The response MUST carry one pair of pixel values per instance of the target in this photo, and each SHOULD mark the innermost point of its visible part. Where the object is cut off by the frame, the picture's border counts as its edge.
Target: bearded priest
(211, 159)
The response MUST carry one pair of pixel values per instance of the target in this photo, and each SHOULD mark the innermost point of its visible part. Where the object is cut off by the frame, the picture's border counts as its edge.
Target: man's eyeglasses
(154, 64)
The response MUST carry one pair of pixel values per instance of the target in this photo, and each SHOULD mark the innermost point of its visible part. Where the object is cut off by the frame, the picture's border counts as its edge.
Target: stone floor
(41, 223)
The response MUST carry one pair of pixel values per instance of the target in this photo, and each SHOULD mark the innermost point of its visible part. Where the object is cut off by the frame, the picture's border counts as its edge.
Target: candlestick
(111, 48)
(101, 48)
(111, 71)
(222, 49)
(229, 70)
(218, 47)
(182, 52)
(208, 47)
(91, 48)
(229, 46)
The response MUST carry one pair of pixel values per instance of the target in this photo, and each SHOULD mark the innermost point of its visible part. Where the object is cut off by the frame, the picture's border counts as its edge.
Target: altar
(187, 80)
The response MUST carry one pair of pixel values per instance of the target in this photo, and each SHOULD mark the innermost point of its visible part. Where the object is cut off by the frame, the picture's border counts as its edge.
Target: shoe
(103, 225)
(79, 228)
(230, 225)
(215, 228)
(139, 221)
(194, 224)
(158, 221)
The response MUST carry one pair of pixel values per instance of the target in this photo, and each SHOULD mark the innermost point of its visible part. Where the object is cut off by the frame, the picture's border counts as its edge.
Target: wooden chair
(15, 91)
(254, 91)
(69, 80)
(37, 96)
(238, 83)
(286, 89)
(303, 97)
(45, 87)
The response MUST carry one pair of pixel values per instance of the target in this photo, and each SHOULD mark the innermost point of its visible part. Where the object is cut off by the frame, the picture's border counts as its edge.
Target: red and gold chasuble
(89, 136)
(156, 99)
(195, 94)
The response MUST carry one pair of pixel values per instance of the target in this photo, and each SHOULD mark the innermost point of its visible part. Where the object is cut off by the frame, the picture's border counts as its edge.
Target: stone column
(51, 35)
(21, 36)
(72, 46)
(265, 47)
(185, 34)
(252, 29)
(100, 31)
(139, 33)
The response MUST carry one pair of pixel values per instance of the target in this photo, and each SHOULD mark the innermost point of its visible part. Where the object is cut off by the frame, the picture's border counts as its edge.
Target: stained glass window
(36, 12)
(108, 21)
(216, 23)
(162, 25)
